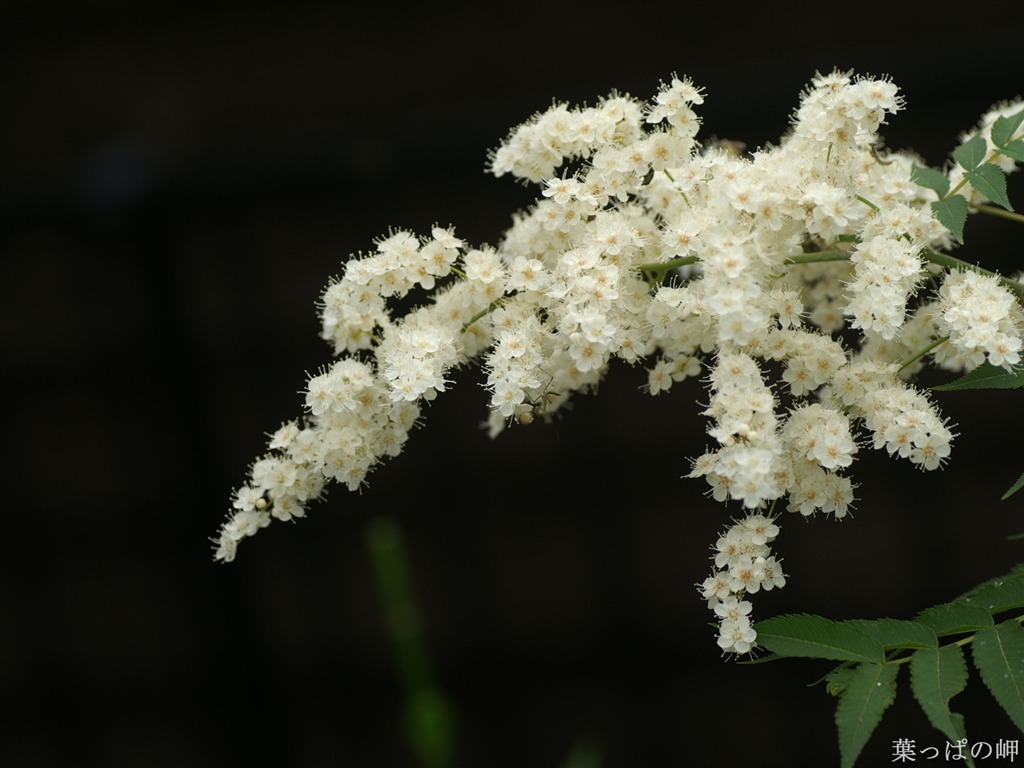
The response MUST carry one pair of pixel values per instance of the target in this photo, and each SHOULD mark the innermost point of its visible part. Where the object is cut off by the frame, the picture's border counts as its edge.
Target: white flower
(736, 635)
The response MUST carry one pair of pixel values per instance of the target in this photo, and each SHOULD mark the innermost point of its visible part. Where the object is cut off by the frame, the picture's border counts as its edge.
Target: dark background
(176, 187)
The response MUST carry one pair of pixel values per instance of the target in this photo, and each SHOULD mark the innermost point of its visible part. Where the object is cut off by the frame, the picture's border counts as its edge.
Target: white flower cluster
(744, 566)
(770, 254)
(981, 318)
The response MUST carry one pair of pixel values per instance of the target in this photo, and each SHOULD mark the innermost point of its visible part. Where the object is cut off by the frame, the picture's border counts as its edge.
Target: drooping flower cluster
(745, 566)
(769, 256)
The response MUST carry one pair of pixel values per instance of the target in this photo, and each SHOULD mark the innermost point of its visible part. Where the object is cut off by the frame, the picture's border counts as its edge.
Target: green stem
(818, 257)
(991, 210)
(961, 642)
(914, 358)
(485, 312)
(868, 203)
(657, 271)
(660, 269)
(670, 178)
(951, 262)
(664, 267)
(955, 189)
(430, 718)
(385, 544)
(880, 161)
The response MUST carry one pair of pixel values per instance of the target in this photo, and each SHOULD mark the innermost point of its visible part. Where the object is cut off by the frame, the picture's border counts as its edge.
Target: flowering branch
(918, 355)
(951, 262)
(804, 367)
(627, 195)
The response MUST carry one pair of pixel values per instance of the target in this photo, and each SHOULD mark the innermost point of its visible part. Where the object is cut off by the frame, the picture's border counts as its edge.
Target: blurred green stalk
(429, 717)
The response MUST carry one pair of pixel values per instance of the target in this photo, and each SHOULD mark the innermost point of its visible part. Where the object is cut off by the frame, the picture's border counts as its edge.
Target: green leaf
(897, 633)
(955, 618)
(930, 178)
(1004, 127)
(816, 637)
(1014, 149)
(997, 596)
(971, 153)
(869, 691)
(838, 679)
(1016, 573)
(936, 676)
(991, 182)
(986, 376)
(1014, 488)
(998, 653)
(952, 214)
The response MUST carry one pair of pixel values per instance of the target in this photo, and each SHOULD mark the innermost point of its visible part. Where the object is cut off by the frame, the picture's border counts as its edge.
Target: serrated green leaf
(986, 376)
(1016, 573)
(1005, 126)
(869, 691)
(955, 617)
(998, 653)
(952, 214)
(1013, 488)
(991, 182)
(936, 676)
(897, 633)
(1014, 149)
(816, 637)
(997, 596)
(930, 178)
(971, 153)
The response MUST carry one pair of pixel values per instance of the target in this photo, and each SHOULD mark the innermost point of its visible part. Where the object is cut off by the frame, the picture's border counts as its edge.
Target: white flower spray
(769, 255)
